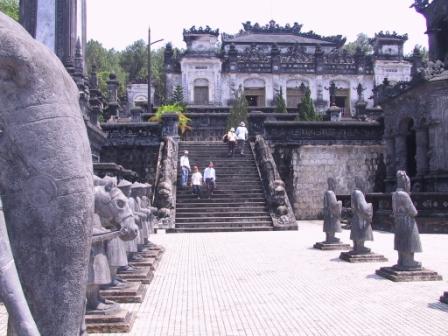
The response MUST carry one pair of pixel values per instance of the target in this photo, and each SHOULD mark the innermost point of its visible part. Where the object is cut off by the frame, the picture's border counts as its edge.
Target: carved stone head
(403, 181)
(331, 184)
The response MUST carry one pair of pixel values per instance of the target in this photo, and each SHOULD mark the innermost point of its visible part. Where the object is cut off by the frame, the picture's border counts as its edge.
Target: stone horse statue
(46, 185)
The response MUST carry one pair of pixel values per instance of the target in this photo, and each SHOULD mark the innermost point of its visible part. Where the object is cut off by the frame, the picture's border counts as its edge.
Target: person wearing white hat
(185, 167)
(241, 136)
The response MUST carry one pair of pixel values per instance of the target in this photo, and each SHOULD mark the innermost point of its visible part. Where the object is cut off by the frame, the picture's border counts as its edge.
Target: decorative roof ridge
(207, 30)
(388, 34)
(273, 28)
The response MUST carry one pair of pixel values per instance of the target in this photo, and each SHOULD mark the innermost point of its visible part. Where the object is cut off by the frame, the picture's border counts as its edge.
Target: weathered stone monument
(361, 227)
(332, 216)
(407, 237)
(45, 181)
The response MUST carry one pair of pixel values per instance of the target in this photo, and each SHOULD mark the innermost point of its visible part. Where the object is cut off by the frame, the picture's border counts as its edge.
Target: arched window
(201, 96)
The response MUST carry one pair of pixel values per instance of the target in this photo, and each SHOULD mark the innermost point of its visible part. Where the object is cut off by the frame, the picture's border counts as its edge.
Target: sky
(118, 23)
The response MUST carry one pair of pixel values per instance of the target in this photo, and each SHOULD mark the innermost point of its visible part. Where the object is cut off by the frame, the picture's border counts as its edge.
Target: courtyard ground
(275, 283)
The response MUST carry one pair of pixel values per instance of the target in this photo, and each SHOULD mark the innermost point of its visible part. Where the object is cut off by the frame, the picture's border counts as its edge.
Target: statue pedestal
(395, 275)
(444, 298)
(148, 253)
(134, 293)
(331, 246)
(119, 322)
(142, 274)
(362, 258)
(152, 263)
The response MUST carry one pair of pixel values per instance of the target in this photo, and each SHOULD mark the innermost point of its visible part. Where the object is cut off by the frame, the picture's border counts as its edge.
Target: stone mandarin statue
(361, 220)
(407, 237)
(45, 180)
(332, 213)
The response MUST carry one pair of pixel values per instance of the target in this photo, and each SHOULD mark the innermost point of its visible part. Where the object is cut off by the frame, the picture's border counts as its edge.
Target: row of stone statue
(123, 222)
(406, 239)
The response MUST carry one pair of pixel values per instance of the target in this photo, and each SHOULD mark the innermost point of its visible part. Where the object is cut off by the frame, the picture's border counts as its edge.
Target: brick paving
(274, 283)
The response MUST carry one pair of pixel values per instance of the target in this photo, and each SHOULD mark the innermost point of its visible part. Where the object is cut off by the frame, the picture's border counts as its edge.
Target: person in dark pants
(230, 138)
(196, 181)
(241, 136)
(210, 179)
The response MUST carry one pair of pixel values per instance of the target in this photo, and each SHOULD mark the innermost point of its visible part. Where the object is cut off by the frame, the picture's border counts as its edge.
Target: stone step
(218, 214)
(216, 226)
(205, 205)
(223, 229)
(184, 211)
(208, 220)
(221, 191)
(192, 225)
(215, 199)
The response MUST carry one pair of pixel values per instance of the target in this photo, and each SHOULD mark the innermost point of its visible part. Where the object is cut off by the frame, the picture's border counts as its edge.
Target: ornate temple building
(266, 59)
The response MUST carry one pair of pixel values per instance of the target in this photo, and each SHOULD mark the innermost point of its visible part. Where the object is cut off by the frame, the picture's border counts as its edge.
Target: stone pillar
(28, 16)
(66, 32)
(256, 123)
(170, 125)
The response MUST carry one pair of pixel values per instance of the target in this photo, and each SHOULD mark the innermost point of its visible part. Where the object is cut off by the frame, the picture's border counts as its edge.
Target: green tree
(306, 108)
(106, 61)
(178, 95)
(238, 112)
(361, 42)
(279, 101)
(158, 76)
(10, 8)
(134, 60)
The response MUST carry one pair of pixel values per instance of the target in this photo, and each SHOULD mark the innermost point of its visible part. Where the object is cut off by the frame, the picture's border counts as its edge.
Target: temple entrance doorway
(342, 100)
(411, 150)
(255, 96)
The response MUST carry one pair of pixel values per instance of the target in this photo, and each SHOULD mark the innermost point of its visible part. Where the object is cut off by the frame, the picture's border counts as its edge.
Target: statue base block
(362, 258)
(422, 274)
(444, 298)
(157, 254)
(134, 293)
(332, 246)
(142, 274)
(152, 263)
(120, 322)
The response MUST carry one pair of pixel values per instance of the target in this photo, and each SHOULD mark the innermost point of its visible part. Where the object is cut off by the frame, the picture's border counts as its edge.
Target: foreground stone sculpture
(407, 237)
(46, 180)
(361, 227)
(332, 216)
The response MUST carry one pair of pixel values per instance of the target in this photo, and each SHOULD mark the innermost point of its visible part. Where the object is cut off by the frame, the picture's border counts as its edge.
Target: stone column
(66, 32)
(28, 16)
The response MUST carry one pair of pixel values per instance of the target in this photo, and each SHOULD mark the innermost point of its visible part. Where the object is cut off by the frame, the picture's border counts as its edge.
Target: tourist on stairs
(210, 179)
(185, 167)
(196, 181)
(230, 138)
(241, 136)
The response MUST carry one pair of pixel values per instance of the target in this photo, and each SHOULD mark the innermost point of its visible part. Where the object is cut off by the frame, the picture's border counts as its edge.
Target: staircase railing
(166, 184)
(277, 199)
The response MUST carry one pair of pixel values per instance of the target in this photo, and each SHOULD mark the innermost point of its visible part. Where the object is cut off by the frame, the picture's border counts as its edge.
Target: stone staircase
(238, 203)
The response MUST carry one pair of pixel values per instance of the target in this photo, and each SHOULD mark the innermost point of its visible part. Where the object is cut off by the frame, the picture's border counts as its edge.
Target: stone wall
(311, 165)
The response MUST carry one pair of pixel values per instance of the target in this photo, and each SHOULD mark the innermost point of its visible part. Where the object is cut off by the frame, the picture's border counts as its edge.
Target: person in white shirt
(210, 179)
(185, 167)
(241, 136)
(196, 181)
(230, 137)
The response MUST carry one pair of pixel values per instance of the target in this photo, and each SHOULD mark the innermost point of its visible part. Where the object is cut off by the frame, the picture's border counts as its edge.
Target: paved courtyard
(274, 283)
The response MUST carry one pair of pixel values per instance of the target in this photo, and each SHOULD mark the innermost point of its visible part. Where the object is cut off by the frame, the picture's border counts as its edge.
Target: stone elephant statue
(46, 185)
